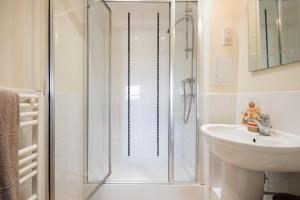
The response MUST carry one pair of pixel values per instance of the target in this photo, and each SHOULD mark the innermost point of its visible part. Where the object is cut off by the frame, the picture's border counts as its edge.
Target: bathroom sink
(234, 144)
(246, 156)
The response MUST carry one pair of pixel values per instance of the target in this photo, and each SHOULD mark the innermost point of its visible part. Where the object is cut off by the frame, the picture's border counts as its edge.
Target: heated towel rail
(32, 147)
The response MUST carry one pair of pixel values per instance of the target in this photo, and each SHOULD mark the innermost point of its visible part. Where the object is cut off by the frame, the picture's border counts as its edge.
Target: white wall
(222, 14)
(24, 44)
(23, 64)
(233, 14)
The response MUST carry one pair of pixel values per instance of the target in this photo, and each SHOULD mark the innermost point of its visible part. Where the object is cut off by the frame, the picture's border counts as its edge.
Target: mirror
(273, 33)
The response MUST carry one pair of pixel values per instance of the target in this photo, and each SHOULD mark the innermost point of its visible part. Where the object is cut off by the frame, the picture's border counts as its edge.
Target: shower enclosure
(124, 84)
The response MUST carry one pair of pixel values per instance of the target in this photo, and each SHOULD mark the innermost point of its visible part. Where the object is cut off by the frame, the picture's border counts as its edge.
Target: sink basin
(246, 156)
(234, 144)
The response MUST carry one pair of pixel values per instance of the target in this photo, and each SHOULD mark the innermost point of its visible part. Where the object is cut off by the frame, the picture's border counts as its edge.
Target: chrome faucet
(264, 125)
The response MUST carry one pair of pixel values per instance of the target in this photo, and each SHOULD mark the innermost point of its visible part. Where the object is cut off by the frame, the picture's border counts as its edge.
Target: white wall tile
(282, 107)
(285, 111)
(143, 100)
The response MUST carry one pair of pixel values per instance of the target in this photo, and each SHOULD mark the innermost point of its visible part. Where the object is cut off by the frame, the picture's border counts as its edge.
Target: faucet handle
(265, 118)
(265, 124)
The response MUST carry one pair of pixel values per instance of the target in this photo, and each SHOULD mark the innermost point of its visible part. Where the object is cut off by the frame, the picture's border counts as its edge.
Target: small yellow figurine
(251, 116)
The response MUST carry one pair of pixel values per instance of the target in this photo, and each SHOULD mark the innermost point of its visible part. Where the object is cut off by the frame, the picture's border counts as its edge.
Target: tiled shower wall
(148, 106)
(139, 91)
(285, 116)
(141, 62)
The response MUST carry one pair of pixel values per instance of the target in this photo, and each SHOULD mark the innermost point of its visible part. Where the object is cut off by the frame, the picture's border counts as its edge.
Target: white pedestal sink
(246, 156)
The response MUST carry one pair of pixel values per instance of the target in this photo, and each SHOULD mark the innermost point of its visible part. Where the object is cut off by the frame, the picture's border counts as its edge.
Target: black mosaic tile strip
(157, 89)
(128, 92)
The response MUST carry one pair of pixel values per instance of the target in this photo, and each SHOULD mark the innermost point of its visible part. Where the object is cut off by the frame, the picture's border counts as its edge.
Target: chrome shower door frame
(171, 147)
(86, 109)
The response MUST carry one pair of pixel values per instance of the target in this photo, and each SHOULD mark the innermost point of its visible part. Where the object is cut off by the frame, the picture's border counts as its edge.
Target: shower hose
(189, 98)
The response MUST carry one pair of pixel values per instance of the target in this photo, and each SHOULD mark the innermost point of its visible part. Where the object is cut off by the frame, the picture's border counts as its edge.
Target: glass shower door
(67, 99)
(186, 141)
(98, 91)
(79, 76)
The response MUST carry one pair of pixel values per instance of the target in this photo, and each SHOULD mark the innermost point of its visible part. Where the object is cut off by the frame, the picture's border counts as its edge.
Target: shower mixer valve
(188, 50)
